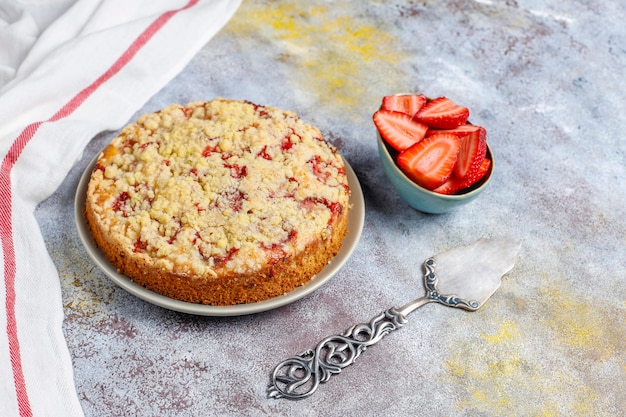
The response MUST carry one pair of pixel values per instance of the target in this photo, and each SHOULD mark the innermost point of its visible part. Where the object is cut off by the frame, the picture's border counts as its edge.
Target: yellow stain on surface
(506, 332)
(488, 370)
(333, 54)
(578, 323)
(547, 362)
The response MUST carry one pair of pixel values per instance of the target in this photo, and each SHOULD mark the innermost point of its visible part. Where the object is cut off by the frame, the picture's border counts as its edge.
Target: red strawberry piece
(409, 103)
(454, 184)
(460, 131)
(442, 113)
(472, 153)
(430, 162)
(399, 130)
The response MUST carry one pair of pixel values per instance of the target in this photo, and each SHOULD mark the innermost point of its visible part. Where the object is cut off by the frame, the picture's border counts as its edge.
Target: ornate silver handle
(299, 376)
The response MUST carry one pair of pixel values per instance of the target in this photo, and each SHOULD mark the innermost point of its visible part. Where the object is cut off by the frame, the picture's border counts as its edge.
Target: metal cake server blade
(463, 277)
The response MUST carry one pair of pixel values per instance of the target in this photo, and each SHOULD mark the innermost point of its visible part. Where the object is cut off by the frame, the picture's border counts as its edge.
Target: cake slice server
(463, 277)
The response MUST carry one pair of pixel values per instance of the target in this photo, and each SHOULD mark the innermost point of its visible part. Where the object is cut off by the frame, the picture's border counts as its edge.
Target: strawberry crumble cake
(221, 202)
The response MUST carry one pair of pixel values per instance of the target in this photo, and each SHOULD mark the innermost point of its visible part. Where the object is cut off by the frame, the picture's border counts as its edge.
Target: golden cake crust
(221, 202)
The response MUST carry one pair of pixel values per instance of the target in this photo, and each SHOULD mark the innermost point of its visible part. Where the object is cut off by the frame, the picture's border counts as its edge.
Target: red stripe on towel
(6, 214)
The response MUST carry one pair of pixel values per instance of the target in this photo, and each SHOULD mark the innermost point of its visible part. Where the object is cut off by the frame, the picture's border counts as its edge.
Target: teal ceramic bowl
(420, 198)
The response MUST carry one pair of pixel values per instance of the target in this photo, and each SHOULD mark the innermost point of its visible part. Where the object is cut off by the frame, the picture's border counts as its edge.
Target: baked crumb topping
(218, 185)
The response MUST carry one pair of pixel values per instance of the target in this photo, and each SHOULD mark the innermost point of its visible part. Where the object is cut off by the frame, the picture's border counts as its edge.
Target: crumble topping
(218, 185)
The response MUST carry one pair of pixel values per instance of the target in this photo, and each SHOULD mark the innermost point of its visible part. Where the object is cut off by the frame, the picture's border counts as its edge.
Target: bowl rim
(384, 147)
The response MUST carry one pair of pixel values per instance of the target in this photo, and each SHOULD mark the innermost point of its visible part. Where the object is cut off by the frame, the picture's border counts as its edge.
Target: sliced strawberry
(429, 163)
(442, 113)
(399, 130)
(455, 184)
(460, 131)
(409, 103)
(472, 153)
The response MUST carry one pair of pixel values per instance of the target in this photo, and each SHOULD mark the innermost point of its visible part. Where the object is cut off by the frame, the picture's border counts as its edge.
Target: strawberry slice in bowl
(460, 131)
(404, 103)
(442, 113)
(455, 184)
(430, 162)
(472, 152)
(399, 129)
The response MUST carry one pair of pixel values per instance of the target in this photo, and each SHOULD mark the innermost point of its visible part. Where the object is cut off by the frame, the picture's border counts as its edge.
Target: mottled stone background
(546, 78)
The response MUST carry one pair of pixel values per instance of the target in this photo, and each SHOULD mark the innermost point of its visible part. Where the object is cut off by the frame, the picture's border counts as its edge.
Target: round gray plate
(355, 226)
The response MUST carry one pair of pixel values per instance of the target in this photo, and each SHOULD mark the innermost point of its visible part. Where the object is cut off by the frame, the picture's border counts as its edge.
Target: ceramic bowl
(420, 198)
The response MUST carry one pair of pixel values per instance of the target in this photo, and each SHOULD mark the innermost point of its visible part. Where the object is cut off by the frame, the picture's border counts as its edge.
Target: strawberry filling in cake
(220, 202)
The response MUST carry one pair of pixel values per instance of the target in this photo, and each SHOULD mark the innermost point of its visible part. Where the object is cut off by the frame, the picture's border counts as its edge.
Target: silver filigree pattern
(299, 376)
(432, 292)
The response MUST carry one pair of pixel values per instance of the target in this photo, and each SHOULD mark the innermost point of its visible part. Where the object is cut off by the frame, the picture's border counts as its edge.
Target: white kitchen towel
(70, 69)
